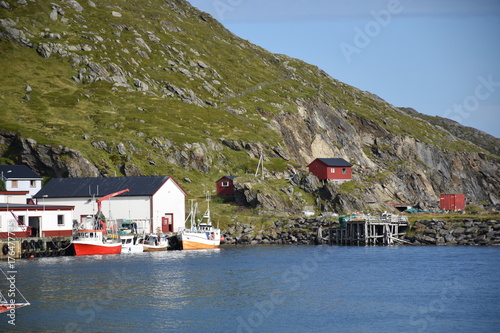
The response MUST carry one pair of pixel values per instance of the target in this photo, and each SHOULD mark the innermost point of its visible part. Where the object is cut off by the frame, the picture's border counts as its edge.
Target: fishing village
(98, 216)
(125, 215)
(244, 166)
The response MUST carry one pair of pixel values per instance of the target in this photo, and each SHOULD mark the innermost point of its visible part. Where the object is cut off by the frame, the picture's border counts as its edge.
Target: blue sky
(441, 58)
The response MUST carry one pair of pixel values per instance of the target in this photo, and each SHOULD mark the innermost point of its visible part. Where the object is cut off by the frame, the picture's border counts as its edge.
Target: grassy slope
(61, 112)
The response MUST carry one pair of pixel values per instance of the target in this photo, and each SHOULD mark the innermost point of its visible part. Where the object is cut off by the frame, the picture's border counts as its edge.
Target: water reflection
(280, 288)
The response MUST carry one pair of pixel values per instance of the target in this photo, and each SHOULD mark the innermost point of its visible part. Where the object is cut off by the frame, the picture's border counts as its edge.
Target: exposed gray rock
(7, 23)
(456, 233)
(98, 70)
(141, 86)
(17, 34)
(56, 161)
(4, 5)
(51, 35)
(309, 183)
(202, 64)
(47, 49)
(53, 14)
(121, 149)
(75, 5)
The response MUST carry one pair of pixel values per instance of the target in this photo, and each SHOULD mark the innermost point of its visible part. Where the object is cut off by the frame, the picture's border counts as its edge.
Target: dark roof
(101, 186)
(335, 162)
(18, 172)
(228, 177)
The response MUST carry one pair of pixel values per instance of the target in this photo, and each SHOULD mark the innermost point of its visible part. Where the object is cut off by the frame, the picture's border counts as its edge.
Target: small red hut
(336, 170)
(452, 202)
(225, 185)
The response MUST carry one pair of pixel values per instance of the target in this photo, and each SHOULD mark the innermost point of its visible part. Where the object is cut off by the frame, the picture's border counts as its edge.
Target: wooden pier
(371, 230)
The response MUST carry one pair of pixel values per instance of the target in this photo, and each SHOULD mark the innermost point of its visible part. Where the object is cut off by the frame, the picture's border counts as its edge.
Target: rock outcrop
(185, 95)
(463, 232)
(283, 231)
(317, 231)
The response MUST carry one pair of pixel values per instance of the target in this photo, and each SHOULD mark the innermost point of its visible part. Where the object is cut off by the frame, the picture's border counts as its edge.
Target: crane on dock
(109, 196)
(99, 216)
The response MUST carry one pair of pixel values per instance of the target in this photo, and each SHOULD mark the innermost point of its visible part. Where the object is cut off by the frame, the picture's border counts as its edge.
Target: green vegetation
(204, 84)
(451, 217)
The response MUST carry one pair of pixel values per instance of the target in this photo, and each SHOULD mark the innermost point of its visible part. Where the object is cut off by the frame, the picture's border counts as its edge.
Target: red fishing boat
(93, 236)
(95, 241)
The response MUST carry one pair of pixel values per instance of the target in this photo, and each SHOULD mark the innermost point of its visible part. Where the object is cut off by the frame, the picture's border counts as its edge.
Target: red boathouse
(225, 185)
(336, 170)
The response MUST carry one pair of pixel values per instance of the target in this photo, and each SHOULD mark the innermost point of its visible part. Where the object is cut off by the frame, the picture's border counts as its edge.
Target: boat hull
(197, 241)
(9, 307)
(88, 249)
(132, 248)
(155, 248)
(194, 245)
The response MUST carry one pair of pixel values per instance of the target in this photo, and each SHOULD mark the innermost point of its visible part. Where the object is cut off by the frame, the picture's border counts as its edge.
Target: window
(344, 171)
(32, 183)
(225, 184)
(60, 219)
(14, 184)
(332, 170)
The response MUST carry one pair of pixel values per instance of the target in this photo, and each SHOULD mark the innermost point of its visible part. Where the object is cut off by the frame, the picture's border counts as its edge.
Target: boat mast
(207, 212)
(191, 218)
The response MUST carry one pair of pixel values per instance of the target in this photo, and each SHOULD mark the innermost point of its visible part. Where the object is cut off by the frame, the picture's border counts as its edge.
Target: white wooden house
(22, 220)
(21, 178)
(13, 197)
(154, 203)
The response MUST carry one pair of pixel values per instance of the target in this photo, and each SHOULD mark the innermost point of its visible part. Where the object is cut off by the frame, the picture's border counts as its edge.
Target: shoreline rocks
(283, 231)
(459, 232)
(317, 231)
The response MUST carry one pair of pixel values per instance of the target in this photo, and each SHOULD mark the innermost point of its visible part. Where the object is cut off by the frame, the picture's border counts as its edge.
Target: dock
(386, 229)
(32, 247)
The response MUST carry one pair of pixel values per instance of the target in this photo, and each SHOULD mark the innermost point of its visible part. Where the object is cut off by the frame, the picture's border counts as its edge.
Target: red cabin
(336, 170)
(225, 185)
(452, 202)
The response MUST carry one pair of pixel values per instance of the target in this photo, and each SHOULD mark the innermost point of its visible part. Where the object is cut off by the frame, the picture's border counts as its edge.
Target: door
(167, 223)
(34, 223)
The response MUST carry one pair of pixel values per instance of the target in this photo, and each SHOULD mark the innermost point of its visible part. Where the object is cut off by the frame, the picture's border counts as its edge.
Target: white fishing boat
(132, 243)
(154, 243)
(201, 235)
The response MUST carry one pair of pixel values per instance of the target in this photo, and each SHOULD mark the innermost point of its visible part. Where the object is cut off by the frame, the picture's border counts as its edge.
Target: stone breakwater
(460, 232)
(322, 231)
(282, 231)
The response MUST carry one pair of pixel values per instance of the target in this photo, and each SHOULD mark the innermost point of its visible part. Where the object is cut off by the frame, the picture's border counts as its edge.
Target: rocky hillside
(139, 87)
(478, 137)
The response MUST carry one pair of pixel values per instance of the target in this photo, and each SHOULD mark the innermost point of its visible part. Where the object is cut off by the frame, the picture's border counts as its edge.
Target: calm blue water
(265, 289)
